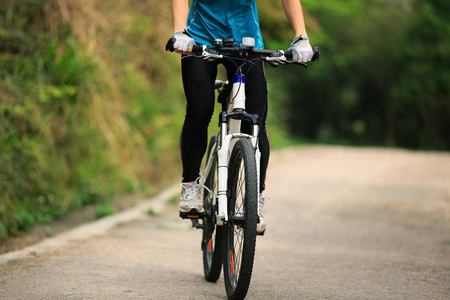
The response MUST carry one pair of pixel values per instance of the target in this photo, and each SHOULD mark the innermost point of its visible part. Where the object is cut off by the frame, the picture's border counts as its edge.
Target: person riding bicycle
(202, 23)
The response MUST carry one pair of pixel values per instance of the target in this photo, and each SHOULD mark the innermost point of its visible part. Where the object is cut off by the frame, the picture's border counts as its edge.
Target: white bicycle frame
(229, 133)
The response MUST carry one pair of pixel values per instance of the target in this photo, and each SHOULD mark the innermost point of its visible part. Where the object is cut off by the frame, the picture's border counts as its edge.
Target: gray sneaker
(261, 227)
(191, 198)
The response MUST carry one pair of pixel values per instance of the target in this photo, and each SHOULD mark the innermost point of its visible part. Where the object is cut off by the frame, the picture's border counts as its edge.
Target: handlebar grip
(170, 43)
(197, 49)
(172, 40)
(316, 54)
(315, 57)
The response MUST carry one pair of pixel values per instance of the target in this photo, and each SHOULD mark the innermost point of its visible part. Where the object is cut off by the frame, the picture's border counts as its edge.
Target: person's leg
(198, 80)
(256, 93)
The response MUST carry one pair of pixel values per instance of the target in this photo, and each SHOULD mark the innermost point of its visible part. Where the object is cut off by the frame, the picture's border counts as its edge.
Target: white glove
(183, 42)
(301, 49)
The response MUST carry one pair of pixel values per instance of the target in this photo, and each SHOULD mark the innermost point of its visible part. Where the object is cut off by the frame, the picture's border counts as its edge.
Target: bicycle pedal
(193, 214)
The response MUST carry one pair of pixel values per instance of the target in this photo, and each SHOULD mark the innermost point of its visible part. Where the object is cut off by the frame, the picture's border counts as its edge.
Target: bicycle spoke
(239, 239)
(241, 186)
(236, 254)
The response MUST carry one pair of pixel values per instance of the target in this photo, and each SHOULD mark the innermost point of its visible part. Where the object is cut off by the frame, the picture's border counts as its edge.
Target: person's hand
(301, 49)
(183, 42)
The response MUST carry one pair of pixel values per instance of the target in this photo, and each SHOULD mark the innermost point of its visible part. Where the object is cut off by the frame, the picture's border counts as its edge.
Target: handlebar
(315, 57)
(274, 56)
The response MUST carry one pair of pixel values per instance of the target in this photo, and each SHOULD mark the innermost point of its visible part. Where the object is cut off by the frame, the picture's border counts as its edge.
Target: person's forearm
(180, 12)
(294, 13)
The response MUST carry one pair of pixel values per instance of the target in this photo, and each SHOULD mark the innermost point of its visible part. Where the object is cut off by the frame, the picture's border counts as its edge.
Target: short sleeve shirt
(220, 19)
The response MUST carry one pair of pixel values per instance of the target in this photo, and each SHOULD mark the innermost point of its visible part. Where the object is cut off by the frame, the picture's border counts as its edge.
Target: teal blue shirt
(220, 19)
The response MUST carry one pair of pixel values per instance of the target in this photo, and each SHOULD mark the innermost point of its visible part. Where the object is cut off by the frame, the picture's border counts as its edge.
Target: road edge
(92, 229)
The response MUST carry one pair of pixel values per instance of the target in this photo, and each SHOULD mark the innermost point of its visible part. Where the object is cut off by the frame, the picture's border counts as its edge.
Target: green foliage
(40, 80)
(151, 212)
(84, 107)
(421, 94)
(103, 210)
(382, 78)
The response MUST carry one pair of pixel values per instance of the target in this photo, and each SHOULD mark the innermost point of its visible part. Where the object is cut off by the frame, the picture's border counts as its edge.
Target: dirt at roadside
(70, 221)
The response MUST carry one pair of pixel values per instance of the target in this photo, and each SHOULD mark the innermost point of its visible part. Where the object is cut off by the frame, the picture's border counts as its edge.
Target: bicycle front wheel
(240, 230)
(212, 234)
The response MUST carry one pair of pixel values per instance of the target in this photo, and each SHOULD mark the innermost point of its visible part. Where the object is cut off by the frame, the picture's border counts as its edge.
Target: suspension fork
(224, 153)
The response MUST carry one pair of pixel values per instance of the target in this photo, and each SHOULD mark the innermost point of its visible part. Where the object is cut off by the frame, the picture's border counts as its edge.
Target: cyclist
(203, 22)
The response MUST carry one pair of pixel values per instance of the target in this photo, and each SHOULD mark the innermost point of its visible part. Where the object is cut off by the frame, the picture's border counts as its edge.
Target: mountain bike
(231, 175)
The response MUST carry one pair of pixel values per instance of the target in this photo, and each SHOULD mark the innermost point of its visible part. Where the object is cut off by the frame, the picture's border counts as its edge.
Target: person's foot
(261, 227)
(191, 200)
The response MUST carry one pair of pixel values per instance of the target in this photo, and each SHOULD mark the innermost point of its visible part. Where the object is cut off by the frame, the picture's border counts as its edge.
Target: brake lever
(274, 63)
(211, 55)
(276, 59)
(277, 63)
(297, 63)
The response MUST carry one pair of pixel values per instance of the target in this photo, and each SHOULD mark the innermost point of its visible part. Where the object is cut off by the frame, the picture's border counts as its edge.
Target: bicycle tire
(240, 230)
(212, 234)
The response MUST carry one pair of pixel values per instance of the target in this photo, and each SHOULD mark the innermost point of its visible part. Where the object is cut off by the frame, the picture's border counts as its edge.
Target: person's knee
(199, 115)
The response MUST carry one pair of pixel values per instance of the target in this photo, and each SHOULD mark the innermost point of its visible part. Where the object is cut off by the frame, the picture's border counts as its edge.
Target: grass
(86, 111)
(151, 212)
(174, 200)
(103, 210)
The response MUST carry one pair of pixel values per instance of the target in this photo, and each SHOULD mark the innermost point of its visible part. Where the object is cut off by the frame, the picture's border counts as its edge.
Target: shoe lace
(191, 190)
(262, 199)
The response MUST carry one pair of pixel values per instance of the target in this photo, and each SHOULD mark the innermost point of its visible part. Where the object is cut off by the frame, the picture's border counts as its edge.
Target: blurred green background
(91, 105)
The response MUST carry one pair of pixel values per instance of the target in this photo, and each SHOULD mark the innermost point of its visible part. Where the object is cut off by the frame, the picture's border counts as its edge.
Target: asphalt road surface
(344, 223)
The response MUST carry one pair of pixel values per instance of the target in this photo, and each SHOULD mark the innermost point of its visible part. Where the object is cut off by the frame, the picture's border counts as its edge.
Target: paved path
(345, 223)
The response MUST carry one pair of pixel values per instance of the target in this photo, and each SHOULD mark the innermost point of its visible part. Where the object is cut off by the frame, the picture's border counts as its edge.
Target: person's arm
(294, 13)
(301, 49)
(180, 12)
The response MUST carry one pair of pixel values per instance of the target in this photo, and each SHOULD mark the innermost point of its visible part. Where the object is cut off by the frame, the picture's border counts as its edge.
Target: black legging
(198, 79)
